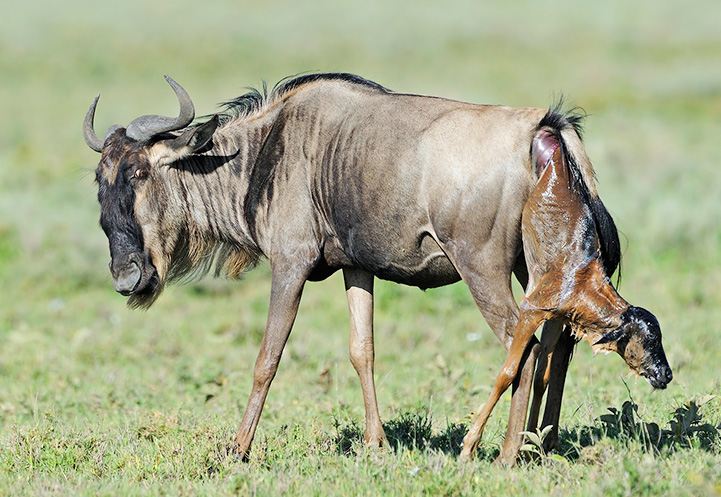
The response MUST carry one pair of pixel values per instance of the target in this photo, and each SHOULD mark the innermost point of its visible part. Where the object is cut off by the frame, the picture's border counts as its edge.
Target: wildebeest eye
(140, 173)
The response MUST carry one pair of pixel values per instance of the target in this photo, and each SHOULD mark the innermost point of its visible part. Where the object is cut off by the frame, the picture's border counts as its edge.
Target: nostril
(113, 272)
(135, 258)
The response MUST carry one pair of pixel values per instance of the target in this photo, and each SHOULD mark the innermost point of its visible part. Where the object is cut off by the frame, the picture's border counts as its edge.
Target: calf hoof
(468, 450)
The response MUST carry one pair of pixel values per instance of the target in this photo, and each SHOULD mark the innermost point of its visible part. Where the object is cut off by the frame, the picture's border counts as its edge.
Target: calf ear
(189, 142)
(613, 336)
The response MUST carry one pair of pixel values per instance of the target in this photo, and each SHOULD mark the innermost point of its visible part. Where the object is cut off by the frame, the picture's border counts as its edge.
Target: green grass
(99, 400)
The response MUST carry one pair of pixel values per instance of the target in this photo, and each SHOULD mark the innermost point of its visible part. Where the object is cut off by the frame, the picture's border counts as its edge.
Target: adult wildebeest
(329, 172)
(568, 282)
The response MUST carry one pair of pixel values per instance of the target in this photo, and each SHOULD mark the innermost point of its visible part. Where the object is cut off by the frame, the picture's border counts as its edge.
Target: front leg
(556, 383)
(286, 290)
(549, 338)
(529, 320)
(519, 405)
(359, 291)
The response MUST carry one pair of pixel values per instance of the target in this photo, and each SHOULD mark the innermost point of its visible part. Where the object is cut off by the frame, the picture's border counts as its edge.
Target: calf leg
(359, 291)
(286, 290)
(491, 290)
(501, 312)
(527, 324)
(519, 405)
(521, 384)
(556, 383)
(551, 331)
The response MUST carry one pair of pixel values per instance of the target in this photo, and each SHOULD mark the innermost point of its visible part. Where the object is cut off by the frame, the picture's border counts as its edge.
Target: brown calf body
(567, 284)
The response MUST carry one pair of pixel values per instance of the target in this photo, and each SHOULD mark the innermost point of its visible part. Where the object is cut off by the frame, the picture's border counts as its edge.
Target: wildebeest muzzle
(132, 274)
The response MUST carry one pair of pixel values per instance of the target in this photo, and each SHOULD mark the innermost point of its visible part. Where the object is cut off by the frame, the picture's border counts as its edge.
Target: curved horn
(145, 127)
(91, 138)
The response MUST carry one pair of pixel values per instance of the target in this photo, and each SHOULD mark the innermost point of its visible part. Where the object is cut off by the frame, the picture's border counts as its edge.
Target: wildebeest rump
(329, 172)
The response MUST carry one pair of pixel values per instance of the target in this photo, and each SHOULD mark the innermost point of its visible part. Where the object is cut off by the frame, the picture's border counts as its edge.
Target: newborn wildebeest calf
(567, 283)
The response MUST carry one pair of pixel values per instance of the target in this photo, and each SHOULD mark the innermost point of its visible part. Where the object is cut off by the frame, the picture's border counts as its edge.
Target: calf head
(638, 341)
(132, 199)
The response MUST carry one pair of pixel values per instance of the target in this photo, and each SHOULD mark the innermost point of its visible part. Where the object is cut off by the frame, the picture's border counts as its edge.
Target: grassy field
(96, 399)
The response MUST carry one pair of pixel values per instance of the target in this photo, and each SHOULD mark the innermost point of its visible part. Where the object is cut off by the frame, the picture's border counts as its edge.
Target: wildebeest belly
(415, 261)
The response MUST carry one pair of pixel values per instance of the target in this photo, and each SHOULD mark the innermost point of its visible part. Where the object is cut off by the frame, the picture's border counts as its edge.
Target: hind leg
(359, 290)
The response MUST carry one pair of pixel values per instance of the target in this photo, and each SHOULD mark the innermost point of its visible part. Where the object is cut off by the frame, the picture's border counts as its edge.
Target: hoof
(374, 436)
(470, 444)
(551, 444)
(240, 454)
(376, 443)
(467, 452)
(504, 461)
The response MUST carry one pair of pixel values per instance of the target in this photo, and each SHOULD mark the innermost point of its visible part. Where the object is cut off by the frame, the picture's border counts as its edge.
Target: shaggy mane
(255, 101)
(194, 257)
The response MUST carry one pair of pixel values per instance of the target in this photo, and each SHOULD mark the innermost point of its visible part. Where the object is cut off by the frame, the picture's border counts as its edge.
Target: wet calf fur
(568, 285)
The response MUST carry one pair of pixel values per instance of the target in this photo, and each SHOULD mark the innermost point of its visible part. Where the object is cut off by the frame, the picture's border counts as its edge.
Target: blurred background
(648, 74)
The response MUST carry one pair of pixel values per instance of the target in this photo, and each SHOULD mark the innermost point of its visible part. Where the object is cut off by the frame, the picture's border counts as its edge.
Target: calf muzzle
(660, 375)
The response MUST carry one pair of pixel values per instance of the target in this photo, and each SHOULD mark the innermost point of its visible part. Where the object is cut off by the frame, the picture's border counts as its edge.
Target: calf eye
(140, 173)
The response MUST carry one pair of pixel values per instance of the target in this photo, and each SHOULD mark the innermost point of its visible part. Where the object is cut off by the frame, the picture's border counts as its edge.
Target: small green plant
(628, 424)
(687, 430)
(534, 441)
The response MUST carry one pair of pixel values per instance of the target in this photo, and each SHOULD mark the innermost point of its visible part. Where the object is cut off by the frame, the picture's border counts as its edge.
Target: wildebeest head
(638, 341)
(132, 194)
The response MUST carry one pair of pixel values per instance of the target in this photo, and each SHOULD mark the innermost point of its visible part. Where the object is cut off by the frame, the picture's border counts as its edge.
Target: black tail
(608, 235)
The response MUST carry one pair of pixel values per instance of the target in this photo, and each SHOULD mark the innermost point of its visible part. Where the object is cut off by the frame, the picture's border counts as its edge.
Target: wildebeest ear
(188, 143)
(193, 139)
(612, 336)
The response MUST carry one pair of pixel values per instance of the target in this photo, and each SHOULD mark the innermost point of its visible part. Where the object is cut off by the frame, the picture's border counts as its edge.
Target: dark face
(640, 346)
(129, 214)
(121, 173)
